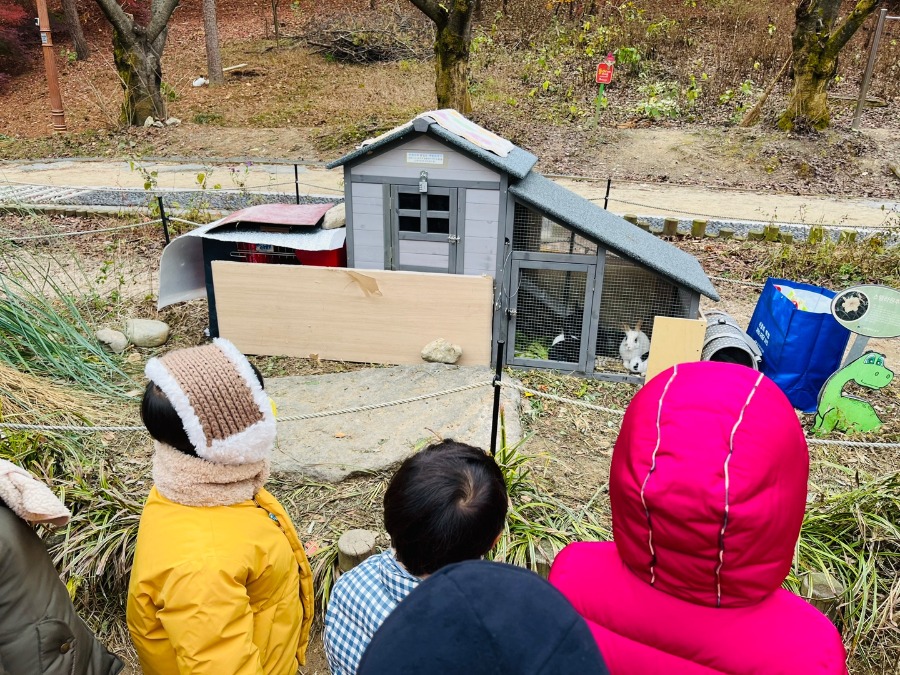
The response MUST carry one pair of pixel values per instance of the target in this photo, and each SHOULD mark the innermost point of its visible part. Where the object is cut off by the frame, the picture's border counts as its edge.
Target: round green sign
(873, 311)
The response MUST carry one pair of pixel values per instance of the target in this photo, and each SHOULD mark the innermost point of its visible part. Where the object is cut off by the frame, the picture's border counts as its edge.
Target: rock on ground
(441, 351)
(113, 340)
(333, 448)
(146, 332)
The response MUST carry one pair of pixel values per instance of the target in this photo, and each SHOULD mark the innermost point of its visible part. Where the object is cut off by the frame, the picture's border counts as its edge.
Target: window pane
(438, 202)
(439, 225)
(405, 200)
(410, 224)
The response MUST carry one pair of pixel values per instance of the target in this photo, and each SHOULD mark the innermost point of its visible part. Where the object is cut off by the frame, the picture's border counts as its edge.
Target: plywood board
(674, 341)
(350, 314)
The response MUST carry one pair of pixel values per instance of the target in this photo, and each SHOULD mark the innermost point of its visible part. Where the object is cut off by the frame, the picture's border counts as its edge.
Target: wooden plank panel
(350, 314)
(480, 245)
(439, 263)
(371, 254)
(476, 227)
(490, 197)
(368, 221)
(369, 239)
(481, 264)
(674, 341)
(434, 173)
(457, 166)
(426, 247)
(361, 190)
(368, 205)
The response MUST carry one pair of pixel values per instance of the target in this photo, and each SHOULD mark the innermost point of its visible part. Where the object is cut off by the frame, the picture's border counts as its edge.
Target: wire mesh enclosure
(573, 301)
(534, 233)
(630, 298)
(549, 314)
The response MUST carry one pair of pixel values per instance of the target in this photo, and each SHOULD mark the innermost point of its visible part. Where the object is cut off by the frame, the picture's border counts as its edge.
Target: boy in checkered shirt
(444, 504)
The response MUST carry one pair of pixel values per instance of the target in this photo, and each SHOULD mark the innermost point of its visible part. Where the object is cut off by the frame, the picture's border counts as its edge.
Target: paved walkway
(52, 180)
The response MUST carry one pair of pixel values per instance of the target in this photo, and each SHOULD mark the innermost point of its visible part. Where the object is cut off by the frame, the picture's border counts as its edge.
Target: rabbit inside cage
(549, 300)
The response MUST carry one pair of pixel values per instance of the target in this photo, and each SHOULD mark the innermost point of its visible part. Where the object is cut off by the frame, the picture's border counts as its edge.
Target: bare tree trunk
(137, 53)
(74, 23)
(140, 73)
(275, 25)
(213, 56)
(817, 41)
(452, 43)
(452, 71)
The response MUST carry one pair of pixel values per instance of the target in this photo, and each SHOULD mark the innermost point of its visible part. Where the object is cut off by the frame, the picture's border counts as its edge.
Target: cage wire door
(550, 310)
(424, 233)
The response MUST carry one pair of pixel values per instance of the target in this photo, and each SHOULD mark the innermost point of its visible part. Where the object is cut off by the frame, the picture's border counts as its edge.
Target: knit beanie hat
(483, 618)
(225, 412)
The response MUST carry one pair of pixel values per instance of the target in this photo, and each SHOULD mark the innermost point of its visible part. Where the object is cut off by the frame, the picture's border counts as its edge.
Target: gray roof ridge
(518, 163)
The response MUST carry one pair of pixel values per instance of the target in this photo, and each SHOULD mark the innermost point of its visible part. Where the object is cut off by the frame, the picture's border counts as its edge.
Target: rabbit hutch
(441, 194)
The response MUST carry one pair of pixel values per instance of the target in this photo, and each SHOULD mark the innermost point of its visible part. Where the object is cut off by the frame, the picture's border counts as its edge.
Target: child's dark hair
(445, 504)
(164, 424)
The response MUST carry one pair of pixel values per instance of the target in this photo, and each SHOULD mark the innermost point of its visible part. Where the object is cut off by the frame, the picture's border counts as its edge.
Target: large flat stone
(333, 448)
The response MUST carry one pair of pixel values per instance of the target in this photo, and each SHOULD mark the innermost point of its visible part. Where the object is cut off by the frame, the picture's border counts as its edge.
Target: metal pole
(162, 217)
(867, 78)
(297, 184)
(57, 114)
(606, 198)
(498, 375)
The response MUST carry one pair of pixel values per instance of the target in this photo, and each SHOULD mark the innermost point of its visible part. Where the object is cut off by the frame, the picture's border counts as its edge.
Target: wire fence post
(162, 217)
(606, 198)
(498, 376)
(297, 184)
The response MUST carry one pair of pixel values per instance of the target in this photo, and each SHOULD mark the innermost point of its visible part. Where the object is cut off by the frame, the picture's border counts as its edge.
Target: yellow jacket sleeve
(307, 594)
(207, 616)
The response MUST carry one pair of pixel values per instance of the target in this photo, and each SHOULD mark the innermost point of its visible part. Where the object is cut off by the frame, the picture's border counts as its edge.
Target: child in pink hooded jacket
(708, 490)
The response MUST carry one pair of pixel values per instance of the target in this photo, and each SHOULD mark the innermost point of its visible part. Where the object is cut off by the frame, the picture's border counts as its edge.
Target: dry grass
(26, 399)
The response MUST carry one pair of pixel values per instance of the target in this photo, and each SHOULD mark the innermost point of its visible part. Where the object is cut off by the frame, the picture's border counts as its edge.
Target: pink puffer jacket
(708, 490)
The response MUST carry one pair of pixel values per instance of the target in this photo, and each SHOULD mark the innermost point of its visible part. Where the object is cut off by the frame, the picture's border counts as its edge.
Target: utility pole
(57, 115)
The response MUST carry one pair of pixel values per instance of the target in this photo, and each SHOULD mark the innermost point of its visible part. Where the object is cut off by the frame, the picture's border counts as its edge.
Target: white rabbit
(635, 344)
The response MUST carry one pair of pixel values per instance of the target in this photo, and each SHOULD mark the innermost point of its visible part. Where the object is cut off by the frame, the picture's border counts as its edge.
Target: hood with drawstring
(708, 489)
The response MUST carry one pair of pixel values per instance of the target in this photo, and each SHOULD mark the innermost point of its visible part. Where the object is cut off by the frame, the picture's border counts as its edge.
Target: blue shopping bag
(801, 342)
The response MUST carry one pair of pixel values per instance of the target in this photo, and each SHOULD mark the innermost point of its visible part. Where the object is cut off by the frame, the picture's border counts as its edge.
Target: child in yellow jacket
(220, 582)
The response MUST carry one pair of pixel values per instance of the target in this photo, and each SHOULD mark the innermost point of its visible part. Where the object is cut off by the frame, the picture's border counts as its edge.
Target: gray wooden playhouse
(425, 199)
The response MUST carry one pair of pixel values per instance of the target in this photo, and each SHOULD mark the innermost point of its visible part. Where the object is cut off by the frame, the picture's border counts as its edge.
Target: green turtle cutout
(850, 413)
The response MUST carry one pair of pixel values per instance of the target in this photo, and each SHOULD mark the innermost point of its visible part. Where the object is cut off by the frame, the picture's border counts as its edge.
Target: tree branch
(851, 24)
(162, 12)
(433, 10)
(121, 22)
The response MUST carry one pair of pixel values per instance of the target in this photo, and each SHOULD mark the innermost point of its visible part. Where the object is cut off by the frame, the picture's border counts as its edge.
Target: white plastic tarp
(181, 275)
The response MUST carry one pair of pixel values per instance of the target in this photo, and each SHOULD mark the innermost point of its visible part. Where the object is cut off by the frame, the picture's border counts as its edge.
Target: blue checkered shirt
(360, 602)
